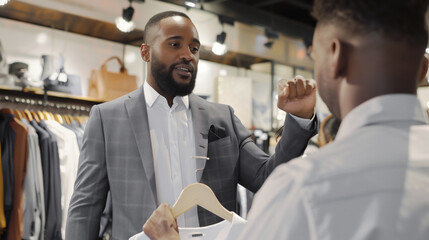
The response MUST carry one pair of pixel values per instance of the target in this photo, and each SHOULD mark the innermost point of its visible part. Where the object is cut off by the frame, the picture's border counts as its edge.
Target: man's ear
(424, 69)
(338, 58)
(145, 52)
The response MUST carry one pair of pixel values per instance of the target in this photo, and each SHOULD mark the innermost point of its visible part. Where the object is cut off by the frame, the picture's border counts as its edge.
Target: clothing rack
(51, 101)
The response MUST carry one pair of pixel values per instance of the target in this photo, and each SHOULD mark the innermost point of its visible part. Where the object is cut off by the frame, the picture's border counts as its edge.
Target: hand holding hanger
(162, 223)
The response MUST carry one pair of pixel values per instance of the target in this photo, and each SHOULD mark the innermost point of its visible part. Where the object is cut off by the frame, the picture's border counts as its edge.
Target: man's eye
(195, 49)
(174, 44)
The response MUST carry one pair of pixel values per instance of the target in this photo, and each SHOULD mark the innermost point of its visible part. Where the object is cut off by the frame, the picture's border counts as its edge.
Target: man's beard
(165, 81)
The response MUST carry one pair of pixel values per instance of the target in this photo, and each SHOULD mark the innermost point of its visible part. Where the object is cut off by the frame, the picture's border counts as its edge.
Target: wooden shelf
(51, 18)
(60, 20)
(38, 94)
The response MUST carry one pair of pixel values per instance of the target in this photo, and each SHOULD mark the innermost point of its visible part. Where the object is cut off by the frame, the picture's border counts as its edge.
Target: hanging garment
(2, 218)
(68, 152)
(15, 228)
(34, 210)
(8, 145)
(220, 231)
(53, 210)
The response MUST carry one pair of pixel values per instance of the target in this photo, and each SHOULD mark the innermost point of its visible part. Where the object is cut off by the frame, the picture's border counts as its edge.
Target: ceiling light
(191, 3)
(219, 47)
(124, 23)
(3, 2)
(427, 50)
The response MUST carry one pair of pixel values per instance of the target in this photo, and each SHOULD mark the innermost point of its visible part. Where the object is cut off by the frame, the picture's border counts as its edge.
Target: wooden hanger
(41, 115)
(51, 116)
(18, 114)
(199, 194)
(70, 118)
(48, 115)
(58, 118)
(78, 119)
(66, 119)
(35, 116)
(28, 114)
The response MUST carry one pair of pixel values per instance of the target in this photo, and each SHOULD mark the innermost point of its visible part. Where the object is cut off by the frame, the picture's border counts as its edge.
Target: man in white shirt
(146, 146)
(372, 181)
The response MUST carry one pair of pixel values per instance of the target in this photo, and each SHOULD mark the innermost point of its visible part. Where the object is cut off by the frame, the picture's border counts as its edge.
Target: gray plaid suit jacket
(117, 155)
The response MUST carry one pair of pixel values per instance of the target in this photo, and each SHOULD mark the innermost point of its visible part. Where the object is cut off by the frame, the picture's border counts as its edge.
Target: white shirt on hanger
(220, 231)
(173, 148)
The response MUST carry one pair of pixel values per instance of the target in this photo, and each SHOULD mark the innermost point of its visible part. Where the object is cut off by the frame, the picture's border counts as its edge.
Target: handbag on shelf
(107, 85)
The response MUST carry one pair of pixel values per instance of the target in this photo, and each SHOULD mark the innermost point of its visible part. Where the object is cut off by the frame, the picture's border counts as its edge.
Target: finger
(286, 91)
(300, 87)
(310, 86)
(281, 86)
(291, 89)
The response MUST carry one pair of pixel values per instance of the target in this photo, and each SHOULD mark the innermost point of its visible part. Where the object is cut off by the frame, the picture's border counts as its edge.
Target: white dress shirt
(220, 231)
(371, 182)
(173, 148)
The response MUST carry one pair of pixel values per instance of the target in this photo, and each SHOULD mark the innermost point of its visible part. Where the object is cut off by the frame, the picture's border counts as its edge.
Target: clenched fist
(297, 96)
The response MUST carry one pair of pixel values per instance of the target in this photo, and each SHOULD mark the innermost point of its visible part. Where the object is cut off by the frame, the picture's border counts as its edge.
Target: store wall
(241, 38)
(27, 43)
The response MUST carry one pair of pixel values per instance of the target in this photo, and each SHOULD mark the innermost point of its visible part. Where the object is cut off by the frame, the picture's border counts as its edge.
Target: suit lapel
(200, 118)
(137, 114)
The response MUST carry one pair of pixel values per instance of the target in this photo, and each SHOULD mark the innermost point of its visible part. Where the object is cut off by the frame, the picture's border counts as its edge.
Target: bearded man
(146, 146)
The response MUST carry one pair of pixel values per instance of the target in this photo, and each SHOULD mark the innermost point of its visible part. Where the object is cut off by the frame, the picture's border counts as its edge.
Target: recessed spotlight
(3, 2)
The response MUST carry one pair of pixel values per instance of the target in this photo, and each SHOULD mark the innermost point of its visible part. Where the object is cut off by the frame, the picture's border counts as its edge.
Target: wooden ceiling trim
(51, 18)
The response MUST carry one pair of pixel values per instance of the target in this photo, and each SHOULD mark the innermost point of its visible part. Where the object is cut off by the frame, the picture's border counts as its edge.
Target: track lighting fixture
(3, 2)
(271, 36)
(124, 23)
(219, 47)
(191, 3)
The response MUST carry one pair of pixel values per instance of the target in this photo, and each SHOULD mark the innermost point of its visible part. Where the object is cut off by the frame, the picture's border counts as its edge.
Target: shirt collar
(386, 108)
(151, 95)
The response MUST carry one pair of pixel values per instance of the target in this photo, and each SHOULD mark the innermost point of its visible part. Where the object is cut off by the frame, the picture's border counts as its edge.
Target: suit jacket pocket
(221, 142)
(220, 149)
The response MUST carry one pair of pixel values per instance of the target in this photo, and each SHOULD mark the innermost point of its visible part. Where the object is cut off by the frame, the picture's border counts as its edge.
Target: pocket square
(216, 133)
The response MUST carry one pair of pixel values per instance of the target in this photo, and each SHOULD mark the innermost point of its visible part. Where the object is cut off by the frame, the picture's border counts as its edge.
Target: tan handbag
(107, 86)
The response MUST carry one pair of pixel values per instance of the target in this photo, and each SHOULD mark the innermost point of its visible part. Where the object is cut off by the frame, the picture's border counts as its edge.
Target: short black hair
(158, 17)
(396, 19)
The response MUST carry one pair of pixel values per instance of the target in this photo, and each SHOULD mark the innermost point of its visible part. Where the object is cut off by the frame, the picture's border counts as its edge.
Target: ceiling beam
(253, 16)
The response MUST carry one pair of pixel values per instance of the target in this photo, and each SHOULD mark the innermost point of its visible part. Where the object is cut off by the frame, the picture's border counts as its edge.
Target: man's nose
(186, 54)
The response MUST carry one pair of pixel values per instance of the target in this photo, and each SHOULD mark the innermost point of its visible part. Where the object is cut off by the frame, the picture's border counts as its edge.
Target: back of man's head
(153, 21)
(395, 19)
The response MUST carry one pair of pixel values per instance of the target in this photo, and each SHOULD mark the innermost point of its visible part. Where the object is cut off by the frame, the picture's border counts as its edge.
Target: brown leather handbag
(107, 86)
